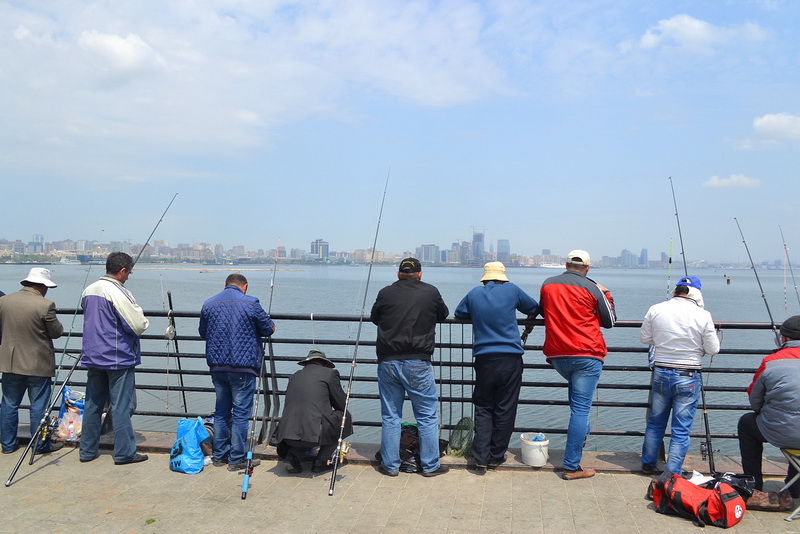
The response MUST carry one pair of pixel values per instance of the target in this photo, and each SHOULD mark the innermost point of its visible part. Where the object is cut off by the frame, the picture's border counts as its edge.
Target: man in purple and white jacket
(112, 324)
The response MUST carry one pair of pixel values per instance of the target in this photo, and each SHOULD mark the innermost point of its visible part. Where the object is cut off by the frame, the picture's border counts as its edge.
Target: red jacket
(574, 309)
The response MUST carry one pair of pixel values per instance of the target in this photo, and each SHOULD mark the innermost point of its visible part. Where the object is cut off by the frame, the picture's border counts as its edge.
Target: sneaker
(770, 502)
(388, 473)
(578, 473)
(442, 470)
(255, 462)
(650, 469)
(292, 464)
(133, 460)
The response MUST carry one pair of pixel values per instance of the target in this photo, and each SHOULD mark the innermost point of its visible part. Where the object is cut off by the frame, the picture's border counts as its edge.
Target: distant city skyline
(473, 252)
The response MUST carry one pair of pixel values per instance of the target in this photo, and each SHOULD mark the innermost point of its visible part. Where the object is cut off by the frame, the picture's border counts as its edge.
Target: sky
(555, 125)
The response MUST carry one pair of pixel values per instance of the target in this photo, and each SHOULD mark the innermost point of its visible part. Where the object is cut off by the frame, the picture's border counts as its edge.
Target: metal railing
(618, 409)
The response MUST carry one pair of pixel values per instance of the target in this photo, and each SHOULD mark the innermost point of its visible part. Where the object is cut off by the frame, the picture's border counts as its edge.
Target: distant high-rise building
(428, 254)
(477, 248)
(320, 248)
(643, 260)
(504, 251)
(546, 252)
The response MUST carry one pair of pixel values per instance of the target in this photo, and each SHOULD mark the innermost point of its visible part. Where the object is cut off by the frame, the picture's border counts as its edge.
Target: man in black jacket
(313, 414)
(406, 314)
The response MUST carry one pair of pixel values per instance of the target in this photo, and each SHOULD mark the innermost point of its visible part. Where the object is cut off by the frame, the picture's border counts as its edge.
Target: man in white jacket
(681, 332)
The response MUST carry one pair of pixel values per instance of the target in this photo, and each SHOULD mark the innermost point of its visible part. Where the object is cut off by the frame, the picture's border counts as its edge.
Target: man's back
(574, 310)
(29, 325)
(406, 314)
(680, 331)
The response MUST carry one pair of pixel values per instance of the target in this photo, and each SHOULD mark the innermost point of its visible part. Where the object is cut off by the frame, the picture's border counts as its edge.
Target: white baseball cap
(578, 257)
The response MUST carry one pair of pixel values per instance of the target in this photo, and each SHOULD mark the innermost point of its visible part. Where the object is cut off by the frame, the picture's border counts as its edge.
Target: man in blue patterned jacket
(233, 324)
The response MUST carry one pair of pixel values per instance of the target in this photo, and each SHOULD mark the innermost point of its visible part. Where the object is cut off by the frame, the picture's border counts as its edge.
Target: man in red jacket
(574, 309)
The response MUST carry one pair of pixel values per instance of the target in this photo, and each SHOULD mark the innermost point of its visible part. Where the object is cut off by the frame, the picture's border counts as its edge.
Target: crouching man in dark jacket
(313, 414)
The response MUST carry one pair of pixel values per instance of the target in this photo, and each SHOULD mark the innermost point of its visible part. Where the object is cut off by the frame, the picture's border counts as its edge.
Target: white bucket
(534, 453)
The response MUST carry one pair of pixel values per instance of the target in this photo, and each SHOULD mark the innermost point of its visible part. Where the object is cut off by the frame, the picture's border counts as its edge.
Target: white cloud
(695, 35)
(778, 126)
(735, 180)
(123, 58)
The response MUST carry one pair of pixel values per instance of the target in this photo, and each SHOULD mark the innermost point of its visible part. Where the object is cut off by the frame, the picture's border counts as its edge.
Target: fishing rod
(760, 287)
(789, 262)
(171, 335)
(337, 454)
(248, 466)
(680, 234)
(706, 449)
(154, 230)
(276, 401)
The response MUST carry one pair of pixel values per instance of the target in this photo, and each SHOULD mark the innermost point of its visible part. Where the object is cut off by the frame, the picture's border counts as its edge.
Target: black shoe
(255, 462)
(650, 469)
(292, 464)
(388, 473)
(93, 458)
(133, 460)
(442, 470)
(320, 467)
(52, 447)
(218, 463)
(12, 451)
(493, 464)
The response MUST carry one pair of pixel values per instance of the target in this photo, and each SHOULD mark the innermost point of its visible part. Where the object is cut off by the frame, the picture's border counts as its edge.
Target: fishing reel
(706, 450)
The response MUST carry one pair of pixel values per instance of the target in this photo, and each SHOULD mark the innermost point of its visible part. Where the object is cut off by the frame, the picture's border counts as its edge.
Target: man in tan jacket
(29, 325)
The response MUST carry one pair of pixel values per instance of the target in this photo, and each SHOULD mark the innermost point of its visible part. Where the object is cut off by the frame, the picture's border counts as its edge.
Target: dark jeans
(498, 378)
(232, 411)
(751, 447)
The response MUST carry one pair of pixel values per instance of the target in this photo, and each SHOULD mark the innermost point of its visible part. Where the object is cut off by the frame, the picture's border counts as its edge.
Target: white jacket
(680, 332)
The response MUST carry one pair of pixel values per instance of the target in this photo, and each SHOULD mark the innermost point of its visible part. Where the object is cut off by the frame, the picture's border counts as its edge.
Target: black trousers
(498, 378)
(751, 447)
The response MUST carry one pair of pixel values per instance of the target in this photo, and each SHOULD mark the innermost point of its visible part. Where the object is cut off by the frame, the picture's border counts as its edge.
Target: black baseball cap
(410, 265)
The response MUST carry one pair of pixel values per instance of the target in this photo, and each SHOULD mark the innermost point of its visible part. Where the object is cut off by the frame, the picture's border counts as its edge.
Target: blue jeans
(672, 391)
(232, 411)
(395, 379)
(119, 387)
(14, 388)
(582, 375)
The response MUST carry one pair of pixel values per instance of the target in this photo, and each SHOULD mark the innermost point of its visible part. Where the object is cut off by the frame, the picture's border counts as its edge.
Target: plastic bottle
(71, 431)
(540, 437)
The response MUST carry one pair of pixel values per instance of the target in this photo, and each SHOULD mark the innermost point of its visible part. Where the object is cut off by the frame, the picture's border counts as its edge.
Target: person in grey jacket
(775, 398)
(29, 325)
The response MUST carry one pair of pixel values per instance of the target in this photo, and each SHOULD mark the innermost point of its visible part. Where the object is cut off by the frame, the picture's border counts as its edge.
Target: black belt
(681, 372)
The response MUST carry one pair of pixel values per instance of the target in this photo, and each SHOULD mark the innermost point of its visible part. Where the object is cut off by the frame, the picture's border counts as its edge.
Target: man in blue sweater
(497, 349)
(233, 324)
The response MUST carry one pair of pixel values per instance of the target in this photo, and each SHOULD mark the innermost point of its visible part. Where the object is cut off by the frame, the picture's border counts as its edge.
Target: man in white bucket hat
(29, 325)
(497, 350)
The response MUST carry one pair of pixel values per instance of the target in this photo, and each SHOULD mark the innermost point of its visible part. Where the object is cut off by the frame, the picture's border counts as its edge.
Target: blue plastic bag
(186, 455)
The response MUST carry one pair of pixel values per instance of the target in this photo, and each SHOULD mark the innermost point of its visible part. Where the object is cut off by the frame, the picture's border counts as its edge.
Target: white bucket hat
(39, 275)
(494, 270)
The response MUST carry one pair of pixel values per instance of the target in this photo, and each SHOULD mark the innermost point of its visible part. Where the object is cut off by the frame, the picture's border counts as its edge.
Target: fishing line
(760, 287)
(275, 401)
(789, 263)
(336, 454)
(680, 234)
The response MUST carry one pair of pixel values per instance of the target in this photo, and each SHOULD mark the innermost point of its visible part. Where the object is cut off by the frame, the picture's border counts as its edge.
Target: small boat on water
(552, 265)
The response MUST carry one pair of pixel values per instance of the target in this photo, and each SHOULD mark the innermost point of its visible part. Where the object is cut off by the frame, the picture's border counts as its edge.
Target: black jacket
(406, 314)
(314, 405)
